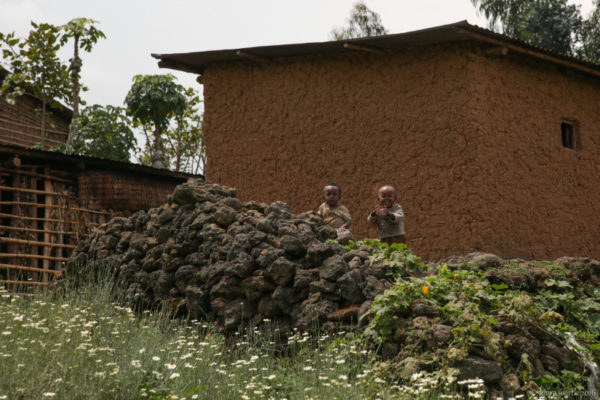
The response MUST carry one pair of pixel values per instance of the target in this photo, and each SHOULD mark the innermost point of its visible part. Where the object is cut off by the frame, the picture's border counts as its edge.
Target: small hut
(20, 123)
(49, 201)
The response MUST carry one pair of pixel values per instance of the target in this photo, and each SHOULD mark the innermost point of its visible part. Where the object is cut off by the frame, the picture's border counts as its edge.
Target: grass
(83, 345)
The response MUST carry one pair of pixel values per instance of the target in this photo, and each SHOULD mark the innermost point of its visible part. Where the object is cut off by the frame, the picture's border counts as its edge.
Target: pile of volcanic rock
(211, 256)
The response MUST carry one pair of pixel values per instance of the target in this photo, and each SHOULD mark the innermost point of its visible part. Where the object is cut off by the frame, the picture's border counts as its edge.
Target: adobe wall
(541, 197)
(418, 120)
(281, 130)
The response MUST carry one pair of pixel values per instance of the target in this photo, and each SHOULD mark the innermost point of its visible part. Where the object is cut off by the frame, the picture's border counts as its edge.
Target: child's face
(386, 196)
(331, 195)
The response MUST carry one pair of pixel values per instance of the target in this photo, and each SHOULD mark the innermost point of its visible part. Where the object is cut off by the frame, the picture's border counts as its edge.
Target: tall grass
(84, 345)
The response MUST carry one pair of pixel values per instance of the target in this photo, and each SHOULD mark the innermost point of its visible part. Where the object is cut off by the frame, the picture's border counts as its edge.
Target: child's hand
(383, 211)
(377, 210)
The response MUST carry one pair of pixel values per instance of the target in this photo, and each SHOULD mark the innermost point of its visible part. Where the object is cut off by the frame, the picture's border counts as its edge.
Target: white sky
(137, 28)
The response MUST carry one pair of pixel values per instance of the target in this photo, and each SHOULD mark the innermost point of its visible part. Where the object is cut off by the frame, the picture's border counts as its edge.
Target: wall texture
(472, 143)
(113, 190)
(20, 124)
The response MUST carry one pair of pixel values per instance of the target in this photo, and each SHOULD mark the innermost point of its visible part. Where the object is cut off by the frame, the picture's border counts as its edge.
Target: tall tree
(155, 99)
(362, 23)
(35, 66)
(551, 24)
(184, 142)
(84, 35)
(102, 132)
(591, 36)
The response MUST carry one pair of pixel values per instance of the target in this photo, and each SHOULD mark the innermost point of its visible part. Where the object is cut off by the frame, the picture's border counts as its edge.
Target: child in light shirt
(388, 216)
(334, 214)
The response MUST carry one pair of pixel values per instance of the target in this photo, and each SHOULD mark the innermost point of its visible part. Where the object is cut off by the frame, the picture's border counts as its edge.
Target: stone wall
(214, 257)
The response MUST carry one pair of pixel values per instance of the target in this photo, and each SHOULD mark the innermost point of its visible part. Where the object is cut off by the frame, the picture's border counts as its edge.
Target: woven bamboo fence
(40, 224)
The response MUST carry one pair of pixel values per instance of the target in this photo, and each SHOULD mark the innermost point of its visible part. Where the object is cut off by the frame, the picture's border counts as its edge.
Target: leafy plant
(102, 132)
(154, 100)
(84, 35)
(396, 258)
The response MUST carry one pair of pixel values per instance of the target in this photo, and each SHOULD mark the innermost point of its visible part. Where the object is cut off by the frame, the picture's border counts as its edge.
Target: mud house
(50, 201)
(492, 144)
(20, 124)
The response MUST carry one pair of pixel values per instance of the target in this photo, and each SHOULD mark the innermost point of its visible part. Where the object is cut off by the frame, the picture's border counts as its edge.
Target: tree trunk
(158, 158)
(75, 69)
(43, 127)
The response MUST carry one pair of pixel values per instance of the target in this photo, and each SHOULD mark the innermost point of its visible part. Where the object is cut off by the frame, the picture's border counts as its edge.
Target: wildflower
(170, 366)
(156, 358)
(174, 375)
(136, 363)
(6, 333)
(271, 377)
(49, 394)
(309, 368)
(425, 290)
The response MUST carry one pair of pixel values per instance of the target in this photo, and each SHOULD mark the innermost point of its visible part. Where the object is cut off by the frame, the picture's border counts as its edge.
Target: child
(388, 216)
(335, 214)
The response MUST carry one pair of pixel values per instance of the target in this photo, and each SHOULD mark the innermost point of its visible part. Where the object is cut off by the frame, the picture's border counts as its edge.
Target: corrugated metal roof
(197, 62)
(85, 162)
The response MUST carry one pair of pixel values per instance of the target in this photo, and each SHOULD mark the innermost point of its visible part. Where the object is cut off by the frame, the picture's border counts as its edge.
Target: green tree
(590, 34)
(362, 23)
(35, 66)
(184, 143)
(155, 99)
(84, 35)
(551, 24)
(102, 132)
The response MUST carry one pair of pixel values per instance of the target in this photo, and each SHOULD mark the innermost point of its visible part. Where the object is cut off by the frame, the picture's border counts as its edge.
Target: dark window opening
(568, 135)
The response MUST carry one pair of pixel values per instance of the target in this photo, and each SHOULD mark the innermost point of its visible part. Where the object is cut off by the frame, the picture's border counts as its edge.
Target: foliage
(183, 141)
(591, 36)
(155, 99)
(84, 35)
(474, 307)
(35, 66)
(396, 258)
(362, 23)
(552, 24)
(102, 132)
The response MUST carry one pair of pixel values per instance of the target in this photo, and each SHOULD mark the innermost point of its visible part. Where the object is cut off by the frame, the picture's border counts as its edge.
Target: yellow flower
(425, 290)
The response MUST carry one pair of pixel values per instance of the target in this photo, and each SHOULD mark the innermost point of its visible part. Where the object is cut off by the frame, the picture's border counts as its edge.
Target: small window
(568, 135)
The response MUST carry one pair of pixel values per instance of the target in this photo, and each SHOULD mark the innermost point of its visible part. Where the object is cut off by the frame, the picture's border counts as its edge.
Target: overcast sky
(137, 28)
